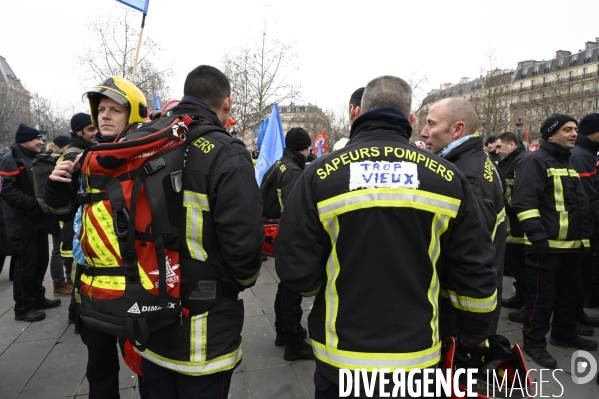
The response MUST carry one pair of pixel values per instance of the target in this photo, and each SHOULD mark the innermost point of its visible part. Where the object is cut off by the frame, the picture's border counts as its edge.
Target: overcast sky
(340, 45)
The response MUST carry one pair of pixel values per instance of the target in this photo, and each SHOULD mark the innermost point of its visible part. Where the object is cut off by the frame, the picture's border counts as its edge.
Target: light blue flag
(272, 145)
(156, 102)
(262, 131)
(319, 153)
(139, 5)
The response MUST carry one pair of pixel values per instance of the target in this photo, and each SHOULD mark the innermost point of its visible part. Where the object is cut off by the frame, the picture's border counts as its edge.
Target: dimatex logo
(134, 309)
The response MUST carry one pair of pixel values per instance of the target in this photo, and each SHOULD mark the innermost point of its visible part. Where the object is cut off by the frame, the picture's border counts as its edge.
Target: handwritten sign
(369, 174)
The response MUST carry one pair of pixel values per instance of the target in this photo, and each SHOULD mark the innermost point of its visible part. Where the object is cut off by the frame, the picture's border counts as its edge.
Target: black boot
(540, 356)
(591, 321)
(303, 351)
(515, 302)
(583, 330)
(517, 315)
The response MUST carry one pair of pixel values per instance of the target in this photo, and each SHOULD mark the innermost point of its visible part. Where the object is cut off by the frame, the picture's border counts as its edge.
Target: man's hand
(540, 248)
(63, 171)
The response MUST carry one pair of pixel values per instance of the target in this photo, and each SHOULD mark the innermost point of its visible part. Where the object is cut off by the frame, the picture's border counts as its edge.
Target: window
(521, 86)
(532, 84)
(597, 103)
(574, 59)
(583, 105)
(543, 112)
(545, 81)
(524, 72)
(571, 75)
(570, 90)
(560, 63)
(532, 113)
(569, 109)
(588, 55)
(585, 72)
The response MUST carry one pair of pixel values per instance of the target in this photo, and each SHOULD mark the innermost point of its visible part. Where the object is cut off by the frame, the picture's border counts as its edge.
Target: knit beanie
(61, 141)
(589, 124)
(26, 133)
(80, 121)
(554, 123)
(297, 139)
(490, 139)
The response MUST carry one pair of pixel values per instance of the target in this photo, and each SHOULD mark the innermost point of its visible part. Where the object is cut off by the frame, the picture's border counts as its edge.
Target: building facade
(310, 117)
(520, 100)
(14, 103)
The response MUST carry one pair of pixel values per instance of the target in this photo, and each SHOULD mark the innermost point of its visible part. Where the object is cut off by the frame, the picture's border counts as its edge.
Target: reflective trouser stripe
(280, 199)
(221, 363)
(500, 219)
(198, 338)
(196, 204)
(444, 208)
(369, 361)
(475, 305)
(250, 280)
(531, 213)
(66, 253)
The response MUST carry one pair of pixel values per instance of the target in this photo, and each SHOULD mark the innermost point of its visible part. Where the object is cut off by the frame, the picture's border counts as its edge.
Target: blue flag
(272, 144)
(139, 5)
(156, 102)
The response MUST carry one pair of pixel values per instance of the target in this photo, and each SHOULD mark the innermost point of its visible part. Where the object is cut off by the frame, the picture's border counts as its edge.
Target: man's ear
(358, 111)
(79, 133)
(457, 130)
(227, 104)
(412, 118)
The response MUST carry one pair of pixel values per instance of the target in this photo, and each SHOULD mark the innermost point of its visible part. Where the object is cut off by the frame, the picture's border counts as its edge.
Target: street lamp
(519, 126)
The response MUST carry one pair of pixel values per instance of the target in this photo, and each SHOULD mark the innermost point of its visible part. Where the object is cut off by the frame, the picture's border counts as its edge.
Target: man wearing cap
(552, 207)
(275, 189)
(26, 226)
(584, 161)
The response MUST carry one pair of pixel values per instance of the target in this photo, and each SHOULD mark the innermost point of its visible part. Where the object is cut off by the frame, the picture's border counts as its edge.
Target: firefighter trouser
(162, 383)
(102, 363)
(30, 253)
(553, 286)
(288, 316)
(514, 255)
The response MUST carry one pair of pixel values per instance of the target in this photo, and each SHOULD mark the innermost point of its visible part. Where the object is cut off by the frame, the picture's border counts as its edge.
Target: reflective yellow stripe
(439, 226)
(311, 293)
(116, 283)
(221, 363)
(196, 204)
(475, 305)
(198, 338)
(514, 240)
(508, 191)
(66, 253)
(500, 219)
(564, 244)
(250, 280)
(369, 361)
(106, 224)
(531, 213)
(388, 197)
(444, 208)
(558, 194)
(280, 198)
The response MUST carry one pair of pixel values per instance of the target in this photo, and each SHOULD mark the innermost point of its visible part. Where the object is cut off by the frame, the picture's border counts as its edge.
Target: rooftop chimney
(464, 80)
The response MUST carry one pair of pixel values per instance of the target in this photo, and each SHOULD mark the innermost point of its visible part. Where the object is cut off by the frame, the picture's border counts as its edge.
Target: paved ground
(46, 360)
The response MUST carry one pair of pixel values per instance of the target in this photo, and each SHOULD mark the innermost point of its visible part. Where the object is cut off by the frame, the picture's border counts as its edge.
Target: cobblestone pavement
(46, 360)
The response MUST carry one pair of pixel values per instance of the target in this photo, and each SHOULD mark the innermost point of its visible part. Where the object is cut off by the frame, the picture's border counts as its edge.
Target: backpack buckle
(154, 165)
(125, 214)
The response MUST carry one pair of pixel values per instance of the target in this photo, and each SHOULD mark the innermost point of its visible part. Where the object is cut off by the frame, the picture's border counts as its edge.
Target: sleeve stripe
(531, 213)
(588, 174)
(474, 305)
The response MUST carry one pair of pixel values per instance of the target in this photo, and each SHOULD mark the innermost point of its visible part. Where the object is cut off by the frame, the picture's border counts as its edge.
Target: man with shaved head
(450, 132)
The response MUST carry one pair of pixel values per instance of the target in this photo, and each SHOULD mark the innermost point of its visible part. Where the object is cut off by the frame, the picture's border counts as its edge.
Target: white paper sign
(369, 174)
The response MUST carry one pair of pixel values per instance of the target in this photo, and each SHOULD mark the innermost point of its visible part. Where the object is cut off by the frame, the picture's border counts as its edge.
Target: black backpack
(41, 169)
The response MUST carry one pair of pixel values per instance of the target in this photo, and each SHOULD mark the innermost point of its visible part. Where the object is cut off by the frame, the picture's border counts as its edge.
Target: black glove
(540, 248)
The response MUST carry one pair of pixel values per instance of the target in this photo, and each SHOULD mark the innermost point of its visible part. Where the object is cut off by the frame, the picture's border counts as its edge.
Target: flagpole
(143, 23)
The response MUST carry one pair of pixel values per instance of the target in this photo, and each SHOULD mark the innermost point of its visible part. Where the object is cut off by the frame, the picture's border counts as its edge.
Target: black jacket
(19, 205)
(507, 169)
(279, 180)
(550, 201)
(584, 161)
(374, 230)
(222, 219)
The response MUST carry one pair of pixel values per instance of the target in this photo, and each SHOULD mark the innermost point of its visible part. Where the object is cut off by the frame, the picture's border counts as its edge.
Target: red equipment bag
(130, 235)
(271, 229)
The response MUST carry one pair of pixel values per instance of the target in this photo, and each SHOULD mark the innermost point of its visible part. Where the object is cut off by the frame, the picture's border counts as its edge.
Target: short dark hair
(387, 91)
(356, 97)
(208, 84)
(508, 137)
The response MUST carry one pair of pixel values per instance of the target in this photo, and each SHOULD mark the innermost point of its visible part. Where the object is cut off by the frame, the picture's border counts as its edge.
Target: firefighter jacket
(550, 201)
(374, 230)
(507, 170)
(22, 213)
(279, 180)
(222, 219)
(584, 161)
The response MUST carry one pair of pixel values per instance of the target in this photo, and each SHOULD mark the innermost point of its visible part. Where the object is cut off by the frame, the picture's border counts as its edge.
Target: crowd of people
(402, 247)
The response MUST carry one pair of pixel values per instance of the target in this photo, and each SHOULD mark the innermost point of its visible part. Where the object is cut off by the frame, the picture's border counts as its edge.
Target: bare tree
(14, 108)
(259, 75)
(111, 52)
(339, 124)
(49, 116)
